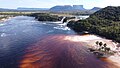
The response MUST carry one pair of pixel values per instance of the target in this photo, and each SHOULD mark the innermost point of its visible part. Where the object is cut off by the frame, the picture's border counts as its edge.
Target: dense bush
(105, 22)
(46, 17)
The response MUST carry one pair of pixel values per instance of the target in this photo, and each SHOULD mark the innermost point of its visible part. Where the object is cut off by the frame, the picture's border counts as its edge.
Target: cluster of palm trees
(102, 47)
(101, 50)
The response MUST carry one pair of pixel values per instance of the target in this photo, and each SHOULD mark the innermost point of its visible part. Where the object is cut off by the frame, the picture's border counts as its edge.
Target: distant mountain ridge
(67, 8)
(54, 8)
(96, 8)
(61, 8)
(4, 9)
(23, 8)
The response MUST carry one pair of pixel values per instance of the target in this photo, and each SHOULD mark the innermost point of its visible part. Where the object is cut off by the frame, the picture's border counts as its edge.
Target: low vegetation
(4, 15)
(15, 13)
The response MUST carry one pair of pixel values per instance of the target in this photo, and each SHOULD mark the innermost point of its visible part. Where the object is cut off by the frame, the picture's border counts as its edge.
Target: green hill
(105, 22)
(110, 13)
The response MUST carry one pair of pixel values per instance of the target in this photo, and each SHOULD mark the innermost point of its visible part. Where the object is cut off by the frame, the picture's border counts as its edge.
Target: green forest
(105, 22)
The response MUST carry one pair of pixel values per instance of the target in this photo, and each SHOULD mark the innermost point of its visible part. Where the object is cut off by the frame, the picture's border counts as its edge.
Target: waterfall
(63, 19)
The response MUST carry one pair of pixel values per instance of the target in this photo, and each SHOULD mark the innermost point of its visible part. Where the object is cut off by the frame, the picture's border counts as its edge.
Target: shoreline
(113, 45)
(90, 40)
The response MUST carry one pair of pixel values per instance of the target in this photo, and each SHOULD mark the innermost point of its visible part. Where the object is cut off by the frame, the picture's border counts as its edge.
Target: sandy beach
(90, 41)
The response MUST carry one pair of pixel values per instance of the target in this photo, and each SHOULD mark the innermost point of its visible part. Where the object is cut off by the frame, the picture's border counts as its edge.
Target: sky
(88, 4)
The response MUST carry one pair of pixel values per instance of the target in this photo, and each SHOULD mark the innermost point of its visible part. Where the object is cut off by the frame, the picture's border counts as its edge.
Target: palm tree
(100, 44)
(97, 42)
(103, 48)
(105, 45)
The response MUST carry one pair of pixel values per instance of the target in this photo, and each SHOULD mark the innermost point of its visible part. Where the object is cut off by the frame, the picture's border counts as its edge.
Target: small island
(46, 17)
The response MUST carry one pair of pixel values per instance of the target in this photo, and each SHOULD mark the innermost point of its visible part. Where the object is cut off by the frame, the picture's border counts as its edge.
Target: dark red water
(56, 52)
